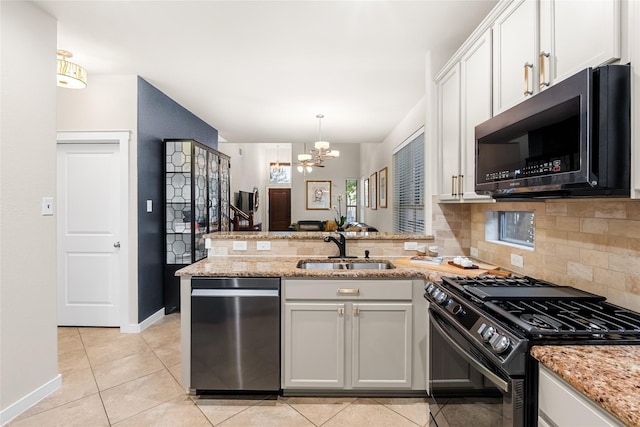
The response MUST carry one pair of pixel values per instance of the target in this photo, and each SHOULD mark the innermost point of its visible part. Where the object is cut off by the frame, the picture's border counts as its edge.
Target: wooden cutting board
(445, 267)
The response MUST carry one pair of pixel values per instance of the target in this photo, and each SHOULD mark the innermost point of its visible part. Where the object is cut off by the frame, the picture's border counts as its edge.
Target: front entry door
(279, 209)
(88, 234)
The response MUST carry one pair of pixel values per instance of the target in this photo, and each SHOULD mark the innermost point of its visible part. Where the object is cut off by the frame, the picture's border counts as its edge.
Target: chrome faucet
(341, 243)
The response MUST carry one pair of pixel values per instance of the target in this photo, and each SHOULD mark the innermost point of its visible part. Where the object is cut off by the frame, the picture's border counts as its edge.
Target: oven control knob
(486, 332)
(441, 298)
(458, 310)
(430, 287)
(500, 343)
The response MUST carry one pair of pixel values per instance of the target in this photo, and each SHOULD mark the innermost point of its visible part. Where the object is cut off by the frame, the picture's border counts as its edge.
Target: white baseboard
(137, 328)
(17, 408)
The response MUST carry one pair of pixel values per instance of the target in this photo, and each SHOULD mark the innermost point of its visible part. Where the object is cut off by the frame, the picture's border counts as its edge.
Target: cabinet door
(200, 199)
(577, 35)
(515, 35)
(313, 345)
(449, 134)
(381, 345)
(475, 72)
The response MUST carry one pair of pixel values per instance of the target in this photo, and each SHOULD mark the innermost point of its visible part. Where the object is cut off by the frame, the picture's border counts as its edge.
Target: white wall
(28, 334)
(374, 157)
(109, 103)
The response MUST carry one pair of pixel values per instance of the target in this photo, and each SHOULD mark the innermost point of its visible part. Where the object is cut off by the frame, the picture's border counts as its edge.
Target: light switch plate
(149, 205)
(263, 246)
(47, 206)
(517, 260)
(239, 246)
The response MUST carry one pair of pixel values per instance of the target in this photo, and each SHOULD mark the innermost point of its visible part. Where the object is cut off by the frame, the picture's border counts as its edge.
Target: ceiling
(260, 71)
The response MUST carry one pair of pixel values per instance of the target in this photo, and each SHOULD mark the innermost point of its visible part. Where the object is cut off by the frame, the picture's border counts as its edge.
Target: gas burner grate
(569, 318)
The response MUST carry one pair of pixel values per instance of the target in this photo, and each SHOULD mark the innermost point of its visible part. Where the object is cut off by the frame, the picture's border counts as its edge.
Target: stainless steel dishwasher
(235, 334)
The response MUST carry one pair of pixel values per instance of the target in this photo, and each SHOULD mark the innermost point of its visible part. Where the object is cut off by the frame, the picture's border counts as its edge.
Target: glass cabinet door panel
(214, 191)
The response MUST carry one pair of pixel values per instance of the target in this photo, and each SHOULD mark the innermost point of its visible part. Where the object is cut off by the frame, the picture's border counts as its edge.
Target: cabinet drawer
(563, 405)
(390, 290)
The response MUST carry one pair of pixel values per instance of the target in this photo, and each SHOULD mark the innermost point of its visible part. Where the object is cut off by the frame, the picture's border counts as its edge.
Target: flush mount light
(70, 75)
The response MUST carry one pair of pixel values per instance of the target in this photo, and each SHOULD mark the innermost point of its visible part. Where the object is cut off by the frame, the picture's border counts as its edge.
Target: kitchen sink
(345, 265)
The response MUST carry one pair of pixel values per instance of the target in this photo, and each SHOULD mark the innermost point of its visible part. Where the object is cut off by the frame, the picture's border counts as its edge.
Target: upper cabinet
(464, 100)
(538, 43)
(515, 33)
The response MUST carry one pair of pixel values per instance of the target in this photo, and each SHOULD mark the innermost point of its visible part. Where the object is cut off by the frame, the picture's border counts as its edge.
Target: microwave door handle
(543, 82)
(495, 379)
(527, 66)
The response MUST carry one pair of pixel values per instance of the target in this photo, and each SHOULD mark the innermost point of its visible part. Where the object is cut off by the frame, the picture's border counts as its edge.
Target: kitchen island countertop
(609, 375)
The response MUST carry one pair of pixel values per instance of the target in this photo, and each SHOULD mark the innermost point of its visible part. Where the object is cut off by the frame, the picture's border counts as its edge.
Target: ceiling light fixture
(321, 152)
(70, 75)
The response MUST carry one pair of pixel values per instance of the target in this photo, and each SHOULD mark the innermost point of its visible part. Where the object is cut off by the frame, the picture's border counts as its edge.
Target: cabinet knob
(116, 245)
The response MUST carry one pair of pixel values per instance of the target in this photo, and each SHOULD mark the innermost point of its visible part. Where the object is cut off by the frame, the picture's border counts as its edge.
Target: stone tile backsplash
(592, 244)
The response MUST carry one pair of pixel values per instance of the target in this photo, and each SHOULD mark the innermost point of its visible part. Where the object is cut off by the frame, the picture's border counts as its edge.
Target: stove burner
(541, 321)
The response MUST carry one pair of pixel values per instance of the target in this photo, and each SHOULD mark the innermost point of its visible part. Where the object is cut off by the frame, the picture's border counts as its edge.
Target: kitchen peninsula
(392, 296)
(399, 290)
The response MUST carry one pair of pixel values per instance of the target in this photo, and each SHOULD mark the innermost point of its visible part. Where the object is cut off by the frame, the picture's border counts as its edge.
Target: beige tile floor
(126, 380)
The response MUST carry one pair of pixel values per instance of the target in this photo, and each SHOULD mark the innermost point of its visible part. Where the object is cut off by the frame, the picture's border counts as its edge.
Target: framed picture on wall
(373, 190)
(318, 195)
(382, 187)
(366, 192)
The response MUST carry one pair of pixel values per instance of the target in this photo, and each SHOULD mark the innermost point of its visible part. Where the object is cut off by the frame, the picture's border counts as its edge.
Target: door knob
(116, 245)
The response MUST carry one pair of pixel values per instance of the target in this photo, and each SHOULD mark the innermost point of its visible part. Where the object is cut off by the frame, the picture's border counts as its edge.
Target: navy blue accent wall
(159, 117)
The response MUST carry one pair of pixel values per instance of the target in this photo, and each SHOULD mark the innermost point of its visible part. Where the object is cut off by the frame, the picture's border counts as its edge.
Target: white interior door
(89, 233)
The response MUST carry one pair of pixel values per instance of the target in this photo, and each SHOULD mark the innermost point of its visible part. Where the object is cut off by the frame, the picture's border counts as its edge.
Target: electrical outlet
(239, 246)
(410, 246)
(474, 252)
(517, 260)
(263, 246)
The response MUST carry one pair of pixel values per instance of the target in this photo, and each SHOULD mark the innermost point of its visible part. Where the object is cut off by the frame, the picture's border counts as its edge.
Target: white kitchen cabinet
(449, 134)
(314, 345)
(561, 405)
(537, 43)
(381, 345)
(576, 36)
(634, 49)
(515, 34)
(464, 101)
(348, 334)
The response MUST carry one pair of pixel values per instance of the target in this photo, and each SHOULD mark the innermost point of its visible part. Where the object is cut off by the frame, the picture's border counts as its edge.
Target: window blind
(408, 187)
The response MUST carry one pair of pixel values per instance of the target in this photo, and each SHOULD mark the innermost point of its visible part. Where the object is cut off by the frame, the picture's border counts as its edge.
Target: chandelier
(70, 75)
(321, 152)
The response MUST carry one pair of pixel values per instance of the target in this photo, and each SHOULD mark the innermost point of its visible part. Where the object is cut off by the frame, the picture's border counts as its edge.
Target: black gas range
(483, 328)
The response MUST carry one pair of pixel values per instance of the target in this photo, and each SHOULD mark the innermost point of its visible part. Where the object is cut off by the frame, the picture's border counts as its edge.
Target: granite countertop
(607, 374)
(236, 266)
(315, 235)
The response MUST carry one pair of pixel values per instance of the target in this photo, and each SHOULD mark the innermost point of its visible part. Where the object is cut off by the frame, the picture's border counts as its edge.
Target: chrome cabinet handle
(347, 291)
(527, 66)
(543, 82)
(116, 245)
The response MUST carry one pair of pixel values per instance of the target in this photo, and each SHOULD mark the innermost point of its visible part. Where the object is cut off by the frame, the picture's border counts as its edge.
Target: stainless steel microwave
(571, 140)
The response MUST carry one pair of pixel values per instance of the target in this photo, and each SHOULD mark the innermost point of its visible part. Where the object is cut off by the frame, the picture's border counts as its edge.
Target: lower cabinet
(559, 405)
(351, 334)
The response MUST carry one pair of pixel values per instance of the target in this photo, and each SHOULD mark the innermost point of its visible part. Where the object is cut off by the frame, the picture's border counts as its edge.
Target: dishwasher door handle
(235, 293)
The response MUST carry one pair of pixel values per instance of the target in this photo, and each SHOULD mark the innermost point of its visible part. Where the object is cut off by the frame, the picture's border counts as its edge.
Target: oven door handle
(495, 379)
